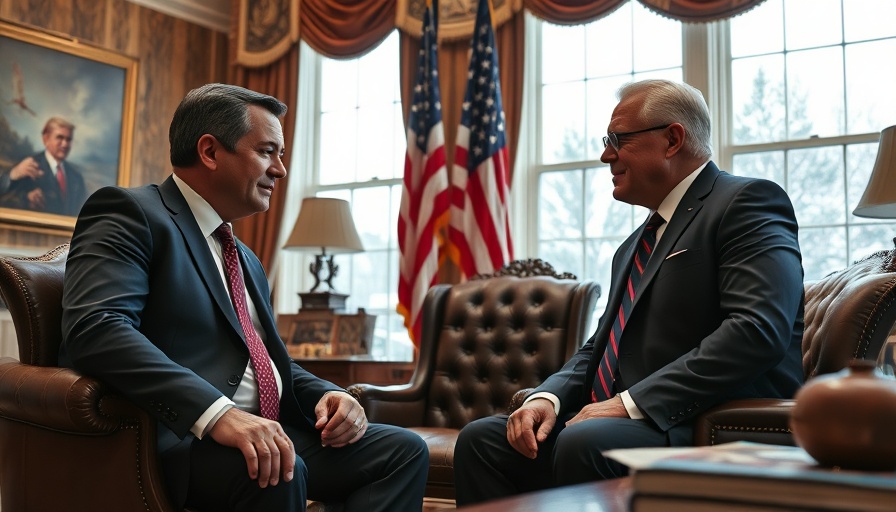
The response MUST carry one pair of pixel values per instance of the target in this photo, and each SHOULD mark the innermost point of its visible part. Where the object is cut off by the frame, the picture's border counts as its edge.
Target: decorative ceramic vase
(848, 419)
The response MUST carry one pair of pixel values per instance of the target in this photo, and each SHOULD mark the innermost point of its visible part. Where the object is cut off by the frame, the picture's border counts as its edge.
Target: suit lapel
(197, 246)
(685, 213)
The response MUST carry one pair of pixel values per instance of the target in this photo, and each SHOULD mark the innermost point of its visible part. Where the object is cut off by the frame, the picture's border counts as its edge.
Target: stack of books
(749, 477)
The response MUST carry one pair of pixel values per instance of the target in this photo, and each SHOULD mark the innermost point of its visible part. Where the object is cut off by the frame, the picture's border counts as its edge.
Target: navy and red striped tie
(602, 388)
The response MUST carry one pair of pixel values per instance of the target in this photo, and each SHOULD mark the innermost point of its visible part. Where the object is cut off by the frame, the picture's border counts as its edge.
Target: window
(353, 144)
(804, 108)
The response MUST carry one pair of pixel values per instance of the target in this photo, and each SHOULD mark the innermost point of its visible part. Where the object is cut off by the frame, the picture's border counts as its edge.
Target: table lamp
(879, 199)
(324, 224)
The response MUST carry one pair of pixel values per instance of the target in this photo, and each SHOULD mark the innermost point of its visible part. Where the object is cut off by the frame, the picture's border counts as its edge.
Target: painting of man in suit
(46, 181)
(65, 125)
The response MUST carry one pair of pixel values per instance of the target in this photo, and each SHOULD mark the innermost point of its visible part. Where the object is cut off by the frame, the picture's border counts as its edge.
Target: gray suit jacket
(718, 314)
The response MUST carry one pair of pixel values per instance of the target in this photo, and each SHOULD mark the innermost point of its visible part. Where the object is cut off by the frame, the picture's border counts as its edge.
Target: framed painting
(66, 126)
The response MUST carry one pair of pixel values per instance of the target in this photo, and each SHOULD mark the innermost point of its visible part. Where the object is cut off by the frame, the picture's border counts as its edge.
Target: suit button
(234, 380)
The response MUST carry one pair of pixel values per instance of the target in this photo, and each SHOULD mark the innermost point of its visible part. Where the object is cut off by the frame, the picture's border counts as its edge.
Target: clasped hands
(531, 423)
(268, 450)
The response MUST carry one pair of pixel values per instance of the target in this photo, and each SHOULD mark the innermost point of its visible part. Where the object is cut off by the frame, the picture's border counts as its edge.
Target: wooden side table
(347, 370)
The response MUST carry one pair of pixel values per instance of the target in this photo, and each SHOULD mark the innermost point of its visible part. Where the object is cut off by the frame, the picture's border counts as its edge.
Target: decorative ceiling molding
(213, 14)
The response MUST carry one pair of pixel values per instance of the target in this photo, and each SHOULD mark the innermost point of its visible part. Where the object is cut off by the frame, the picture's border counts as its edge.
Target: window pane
(566, 46)
(371, 210)
(377, 153)
(757, 97)
(868, 19)
(815, 185)
(598, 265)
(380, 61)
(609, 44)
(605, 215)
(563, 122)
(806, 27)
(563, 256)
(768, 165)
(865, 240)
(824, 251)
(870, 79)
(815, 93)
(601, 102)
(657, 40)
(765, 19)
(339, 85)
(338, 147)
(560, 205)
(859, 162)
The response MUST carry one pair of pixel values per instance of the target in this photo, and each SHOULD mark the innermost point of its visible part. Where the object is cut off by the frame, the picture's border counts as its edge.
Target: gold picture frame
(54, 76)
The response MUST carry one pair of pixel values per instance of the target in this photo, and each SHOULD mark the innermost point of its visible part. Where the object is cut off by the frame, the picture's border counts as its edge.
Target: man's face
(245, 178)
(640, 169)
(58, 142)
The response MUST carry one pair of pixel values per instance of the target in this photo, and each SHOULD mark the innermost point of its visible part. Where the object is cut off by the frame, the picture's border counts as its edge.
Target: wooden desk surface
(604, 496)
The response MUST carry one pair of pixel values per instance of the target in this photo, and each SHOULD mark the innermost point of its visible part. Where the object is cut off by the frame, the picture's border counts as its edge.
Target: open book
(745, 476)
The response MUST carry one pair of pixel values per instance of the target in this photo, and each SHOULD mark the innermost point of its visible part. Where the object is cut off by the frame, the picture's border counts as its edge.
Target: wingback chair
(849, 315)
(66, 442)
(482, 341)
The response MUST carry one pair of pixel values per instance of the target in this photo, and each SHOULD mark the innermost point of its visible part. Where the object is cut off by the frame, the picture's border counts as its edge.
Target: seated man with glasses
(705, 305)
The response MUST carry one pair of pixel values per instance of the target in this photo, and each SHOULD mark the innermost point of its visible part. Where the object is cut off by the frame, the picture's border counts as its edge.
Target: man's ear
(208, 146)
(676, 136)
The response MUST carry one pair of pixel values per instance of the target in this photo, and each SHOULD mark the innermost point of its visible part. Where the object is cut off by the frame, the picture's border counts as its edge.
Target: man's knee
(483, 430)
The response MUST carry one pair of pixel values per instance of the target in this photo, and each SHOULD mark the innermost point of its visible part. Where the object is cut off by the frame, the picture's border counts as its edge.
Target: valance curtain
(349, 28)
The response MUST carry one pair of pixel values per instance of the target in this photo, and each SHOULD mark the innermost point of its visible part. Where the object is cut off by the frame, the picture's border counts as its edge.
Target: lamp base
(317, 301)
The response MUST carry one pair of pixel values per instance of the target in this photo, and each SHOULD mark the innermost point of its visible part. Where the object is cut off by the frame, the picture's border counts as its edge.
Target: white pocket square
(676, 253)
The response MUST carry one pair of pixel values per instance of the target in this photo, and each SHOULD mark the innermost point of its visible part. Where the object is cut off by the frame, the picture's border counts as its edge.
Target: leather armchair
(66, 441)
(849, 315)
(482, 341)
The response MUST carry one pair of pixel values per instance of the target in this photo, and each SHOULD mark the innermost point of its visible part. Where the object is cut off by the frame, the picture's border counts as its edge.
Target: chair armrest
(761, 420)
(401, 405)
(59, 399)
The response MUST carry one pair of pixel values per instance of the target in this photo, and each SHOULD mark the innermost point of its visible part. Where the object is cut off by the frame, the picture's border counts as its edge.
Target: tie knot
(656, 220)
(223, 233)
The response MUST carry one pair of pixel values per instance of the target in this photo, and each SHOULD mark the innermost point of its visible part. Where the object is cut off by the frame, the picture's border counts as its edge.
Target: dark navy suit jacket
(146, 311)
(13, 194)
(718, 314)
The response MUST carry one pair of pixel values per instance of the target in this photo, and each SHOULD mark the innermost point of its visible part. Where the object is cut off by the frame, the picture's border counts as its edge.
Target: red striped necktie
(602, 388)
(268, 395)
(60, 178)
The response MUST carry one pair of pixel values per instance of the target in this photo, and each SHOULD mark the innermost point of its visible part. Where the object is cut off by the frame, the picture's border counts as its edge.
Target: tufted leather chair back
(32, 291)
(493, 336)
(849, 314)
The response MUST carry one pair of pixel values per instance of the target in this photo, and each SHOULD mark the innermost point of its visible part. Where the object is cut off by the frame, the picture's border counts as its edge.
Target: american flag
(423, 218)
(480, 229)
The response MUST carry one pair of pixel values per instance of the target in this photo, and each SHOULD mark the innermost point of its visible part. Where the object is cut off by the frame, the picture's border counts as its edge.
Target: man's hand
(36, 199)
(27, 168)
(612, 408)
(264, 444)
(521, 425)
(342, 419)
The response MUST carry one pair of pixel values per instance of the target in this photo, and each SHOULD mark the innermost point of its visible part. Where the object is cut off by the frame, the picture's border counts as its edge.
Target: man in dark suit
(159, 304)
(45, 181)
(705, 305)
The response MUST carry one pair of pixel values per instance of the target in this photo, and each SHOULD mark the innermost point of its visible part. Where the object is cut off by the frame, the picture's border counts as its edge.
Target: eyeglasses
(612, 139)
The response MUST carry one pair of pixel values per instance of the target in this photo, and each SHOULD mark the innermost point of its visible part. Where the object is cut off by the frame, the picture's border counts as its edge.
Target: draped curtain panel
(457, 18)
(264, 50)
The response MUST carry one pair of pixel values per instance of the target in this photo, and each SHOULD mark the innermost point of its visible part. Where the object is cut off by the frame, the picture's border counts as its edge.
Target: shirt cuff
(633, 411)
(211, 416)
(549, 396)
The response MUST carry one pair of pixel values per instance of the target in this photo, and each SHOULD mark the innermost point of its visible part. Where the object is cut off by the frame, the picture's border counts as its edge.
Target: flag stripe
(424, 211)
(480, 225)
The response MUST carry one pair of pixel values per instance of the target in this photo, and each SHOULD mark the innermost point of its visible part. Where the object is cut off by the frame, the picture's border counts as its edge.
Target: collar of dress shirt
(670, 203)
(206, 216)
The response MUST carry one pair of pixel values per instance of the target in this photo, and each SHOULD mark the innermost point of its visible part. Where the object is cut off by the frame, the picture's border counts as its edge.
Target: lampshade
(879, 199)
(325, 224)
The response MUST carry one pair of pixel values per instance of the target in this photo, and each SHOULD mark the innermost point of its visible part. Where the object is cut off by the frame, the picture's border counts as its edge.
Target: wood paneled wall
(173, 55)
